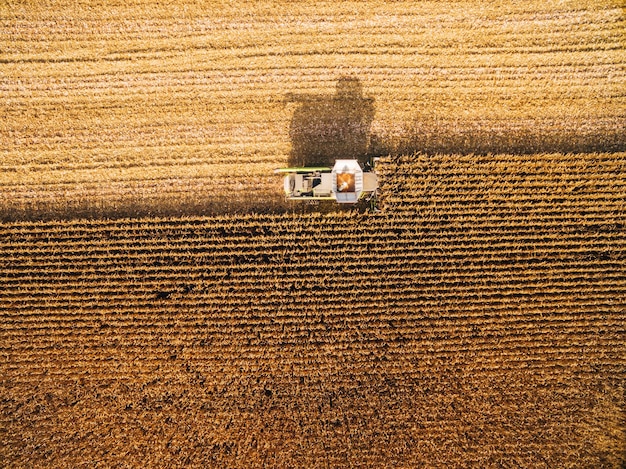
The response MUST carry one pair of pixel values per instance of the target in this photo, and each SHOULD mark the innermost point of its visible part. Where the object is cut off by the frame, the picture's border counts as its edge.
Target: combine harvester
(345, 183)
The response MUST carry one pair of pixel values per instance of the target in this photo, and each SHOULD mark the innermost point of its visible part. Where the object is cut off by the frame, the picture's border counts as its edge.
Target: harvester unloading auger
(346, 183)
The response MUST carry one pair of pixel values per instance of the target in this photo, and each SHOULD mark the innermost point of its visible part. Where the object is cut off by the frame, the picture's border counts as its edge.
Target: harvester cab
(346, 182)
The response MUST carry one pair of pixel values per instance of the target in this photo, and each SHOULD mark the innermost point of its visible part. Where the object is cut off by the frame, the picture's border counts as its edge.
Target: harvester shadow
(327, 127)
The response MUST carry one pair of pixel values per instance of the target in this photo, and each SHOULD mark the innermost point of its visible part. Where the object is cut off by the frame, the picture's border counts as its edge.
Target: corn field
(161, 305)
(473, 325)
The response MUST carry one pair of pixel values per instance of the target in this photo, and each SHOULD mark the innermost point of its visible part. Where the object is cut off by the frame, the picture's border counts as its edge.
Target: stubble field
(476, 320)
(121, 109)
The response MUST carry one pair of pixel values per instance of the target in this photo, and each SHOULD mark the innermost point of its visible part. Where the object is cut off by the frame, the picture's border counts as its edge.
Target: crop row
(391, 226)
(229, 341)
(422, 250)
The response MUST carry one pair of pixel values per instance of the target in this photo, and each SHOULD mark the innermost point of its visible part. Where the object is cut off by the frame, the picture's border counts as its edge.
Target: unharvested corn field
(478, 326)
(162, 306)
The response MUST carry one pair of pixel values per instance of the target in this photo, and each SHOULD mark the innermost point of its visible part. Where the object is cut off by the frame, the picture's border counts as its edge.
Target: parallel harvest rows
(472, 321)
(476, 320)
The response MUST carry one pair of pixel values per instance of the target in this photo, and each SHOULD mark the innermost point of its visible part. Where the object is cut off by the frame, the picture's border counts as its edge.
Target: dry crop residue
(171, 108)
(478, 321)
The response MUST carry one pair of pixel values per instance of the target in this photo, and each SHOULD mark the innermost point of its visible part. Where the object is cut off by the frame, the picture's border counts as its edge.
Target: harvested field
(184, 108)
(478, 322)
(162, 306)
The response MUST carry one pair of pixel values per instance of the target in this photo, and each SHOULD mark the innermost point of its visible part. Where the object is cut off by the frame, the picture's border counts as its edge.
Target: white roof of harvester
(347, 181)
